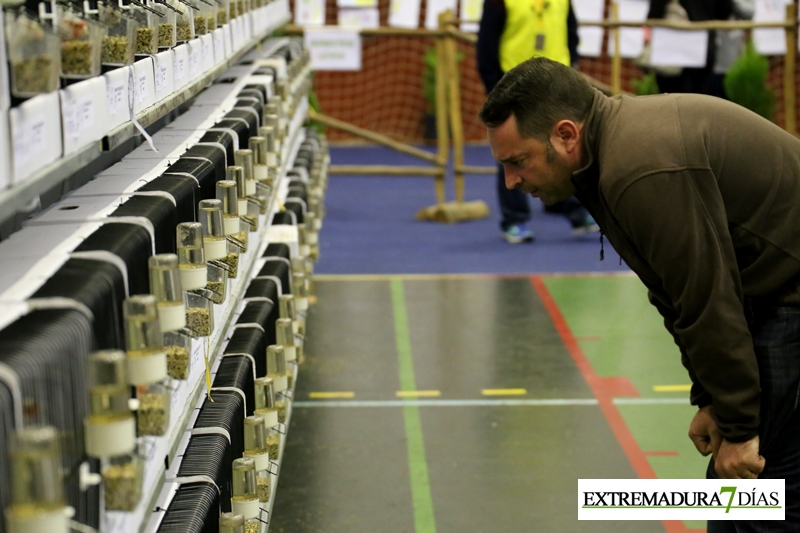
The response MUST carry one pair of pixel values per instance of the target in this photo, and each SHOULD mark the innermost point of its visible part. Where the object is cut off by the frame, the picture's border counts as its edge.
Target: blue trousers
(515, 209)
(776, 338)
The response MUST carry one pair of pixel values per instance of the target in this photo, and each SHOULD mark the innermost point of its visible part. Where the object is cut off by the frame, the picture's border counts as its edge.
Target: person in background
(510, 32)
(730, 45)
(693, 80)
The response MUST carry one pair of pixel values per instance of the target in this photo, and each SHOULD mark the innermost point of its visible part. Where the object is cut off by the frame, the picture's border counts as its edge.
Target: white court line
(487, 402)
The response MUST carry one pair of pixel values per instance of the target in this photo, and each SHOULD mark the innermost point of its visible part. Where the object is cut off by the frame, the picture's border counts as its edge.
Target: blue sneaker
(517, 233)
(585, 225)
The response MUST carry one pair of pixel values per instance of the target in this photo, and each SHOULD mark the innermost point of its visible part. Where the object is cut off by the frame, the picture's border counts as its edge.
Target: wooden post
(456, 125)
(616, 59)
(441, 107)
(789, 113)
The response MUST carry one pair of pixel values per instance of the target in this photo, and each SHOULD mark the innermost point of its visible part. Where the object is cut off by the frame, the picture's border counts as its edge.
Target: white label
(309, 12)
(334, 49)
(194, 61)
(78, 117)
(208, 52)
(161, 78)
(115, 94)
(29, 141)
(179, 68)
(219, 46)
(140, 88)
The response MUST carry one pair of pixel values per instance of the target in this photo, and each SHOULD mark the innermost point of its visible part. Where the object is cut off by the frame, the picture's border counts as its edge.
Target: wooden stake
(441, 107)
(789, 112)
(456, 125)
(616, 59)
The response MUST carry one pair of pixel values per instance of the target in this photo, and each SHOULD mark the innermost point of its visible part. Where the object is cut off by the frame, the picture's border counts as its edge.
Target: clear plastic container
(81, 45)
(255, 447)
(167, 36)
(119, 45)
(227, 193)
(233, 10)
(109, 391)
(262, 196)
(273, 146)
(217, 286)
(213, 229)
(123, 477)
(179, 352)
(184, 21)
(284, 334)
(258, 145)
(286, 306)
(36, 479)
(202, 24)
(191, 255)
(231, 259)
(265, 401)
(199, 315)
(165, 284)
(276, 360)
(33, 54)
(231, 523)
(237, 174)
(147, 361)
(152, 418)
(147, 32)
(223, 12)
(244, 488)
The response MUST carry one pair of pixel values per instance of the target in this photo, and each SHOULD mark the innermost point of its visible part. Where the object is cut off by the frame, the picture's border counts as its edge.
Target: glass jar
(179, 351)
(147, 31)
(231, 523)
(123, 477)
(300, 291)
(165, 284)
(109, 428)
(33, 53)
(287, 310)
(214, 240)
(152, 417)
(81, 45)
(284, 334)
(258, 145)
(255, 447)
(265, 401)
(191, 256)
(217, 286)
(199, 315)
(147, 361)
(245, 496)
(119, 45)
(227, 193)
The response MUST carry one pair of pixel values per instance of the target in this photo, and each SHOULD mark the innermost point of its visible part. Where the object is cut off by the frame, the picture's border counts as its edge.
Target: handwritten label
(208, 53)
(179, 68)
(219, 46)
(78, 117)
(161, 78)
(194, 62)
(140, 88)
(29, 140)
(115, 94)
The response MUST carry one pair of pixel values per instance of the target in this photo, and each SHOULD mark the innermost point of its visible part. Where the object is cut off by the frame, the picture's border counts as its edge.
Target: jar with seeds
(191, 256)
(223, 13)
(231, 259)
(255, 447)
(231, 523)
(109, 430)
(217, 286)
(147, 30)
(33, 52)
(211, 17)
(199, 315)
(265, 401)
(179, 354)
(165, 283)
(245, 497)
(214, 240)
(123, 477)
(144, 342)
(184, 21)
(119, 44)
(201, 26)
(152, 417)
(81, 45)
(167, 37)
(227, 193)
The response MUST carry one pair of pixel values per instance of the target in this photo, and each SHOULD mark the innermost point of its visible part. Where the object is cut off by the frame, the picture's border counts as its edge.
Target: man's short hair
(539, 93)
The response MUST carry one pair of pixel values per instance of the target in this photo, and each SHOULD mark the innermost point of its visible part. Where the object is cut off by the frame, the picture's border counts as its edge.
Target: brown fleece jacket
(701, 198)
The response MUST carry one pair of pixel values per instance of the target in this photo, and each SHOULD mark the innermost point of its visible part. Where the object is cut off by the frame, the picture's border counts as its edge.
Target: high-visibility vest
(528, 21)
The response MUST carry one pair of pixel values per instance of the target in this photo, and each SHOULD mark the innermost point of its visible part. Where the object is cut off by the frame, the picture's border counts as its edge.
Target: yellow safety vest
(534, 27)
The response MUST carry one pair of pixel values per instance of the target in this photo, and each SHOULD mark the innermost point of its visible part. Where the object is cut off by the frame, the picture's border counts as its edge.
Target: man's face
(535, 167)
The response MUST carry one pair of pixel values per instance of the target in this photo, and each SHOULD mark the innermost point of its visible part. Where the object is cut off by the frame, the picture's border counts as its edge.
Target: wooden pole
(441, 107)
(456, 125)
(372, 136)
(789, 112)
(616, 60)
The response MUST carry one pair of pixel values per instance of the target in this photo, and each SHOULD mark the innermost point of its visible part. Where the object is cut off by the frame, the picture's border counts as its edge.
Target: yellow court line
(331, 395)
(418, 393)
(504, 392)
(672, 388)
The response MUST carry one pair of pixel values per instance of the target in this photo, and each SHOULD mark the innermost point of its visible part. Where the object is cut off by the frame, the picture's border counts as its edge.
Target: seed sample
(76, 58)
(144, 41)
(262, 488)
(217, 288)
(251, 526)
(273, 445)
(232, 260)
(184, 32)
(30, 74)
(115, 50)
(200, 25)
(178, 361)
(280, 405)
(165, 35)
(152, 415)
(222, 16)
(198, 321)
(121, 487)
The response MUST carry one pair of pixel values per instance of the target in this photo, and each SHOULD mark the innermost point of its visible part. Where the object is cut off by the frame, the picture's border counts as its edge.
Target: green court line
(424, 521)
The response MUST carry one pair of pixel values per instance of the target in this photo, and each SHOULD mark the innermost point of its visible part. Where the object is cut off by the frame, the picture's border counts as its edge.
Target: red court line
(614, 418)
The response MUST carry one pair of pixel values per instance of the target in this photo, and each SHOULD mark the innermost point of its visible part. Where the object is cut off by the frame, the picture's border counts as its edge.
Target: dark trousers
(515, 209)
(776, 338)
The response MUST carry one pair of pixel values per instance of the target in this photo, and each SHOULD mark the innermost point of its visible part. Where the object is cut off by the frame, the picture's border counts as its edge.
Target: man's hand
(739, 460)
(704, 432)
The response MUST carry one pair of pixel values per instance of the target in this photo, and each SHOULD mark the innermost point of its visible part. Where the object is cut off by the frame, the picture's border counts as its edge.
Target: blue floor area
(370, 228)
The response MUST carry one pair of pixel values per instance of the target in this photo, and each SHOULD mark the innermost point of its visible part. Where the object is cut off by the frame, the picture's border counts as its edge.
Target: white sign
(591, 37)
(367, 17)
(77, 116)
(117, 97)
(631, 40)
(357, 3)
(434, 7)
(334, 49)
(678, 48)
(404, 13)
(770, 41)
(309, 12)
(681, 499)
(471, 12)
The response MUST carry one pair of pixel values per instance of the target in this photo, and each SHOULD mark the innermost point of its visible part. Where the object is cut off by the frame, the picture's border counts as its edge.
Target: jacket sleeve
(658, 9)
(573, 39)
(677, 223)
(487, 50)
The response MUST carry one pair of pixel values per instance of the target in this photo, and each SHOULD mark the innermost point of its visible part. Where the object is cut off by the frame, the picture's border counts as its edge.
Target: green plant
(313, 103)
(429, 78)
(746, 83)
(646, 85)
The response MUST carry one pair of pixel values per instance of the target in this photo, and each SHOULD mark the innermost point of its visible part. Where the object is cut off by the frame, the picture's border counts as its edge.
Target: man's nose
(512, 180)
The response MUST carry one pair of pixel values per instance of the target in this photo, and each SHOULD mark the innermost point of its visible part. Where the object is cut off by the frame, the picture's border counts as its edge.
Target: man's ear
(567, 134)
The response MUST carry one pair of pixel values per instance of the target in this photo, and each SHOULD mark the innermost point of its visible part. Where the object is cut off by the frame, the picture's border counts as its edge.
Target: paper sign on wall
(631, 40)
(591, 37)
(434, 7)
(366, 17)
(770, 41)
(357, 3)
(338, 49)
(678, 48)
(404, 13)
(309, 12)
(471, 11)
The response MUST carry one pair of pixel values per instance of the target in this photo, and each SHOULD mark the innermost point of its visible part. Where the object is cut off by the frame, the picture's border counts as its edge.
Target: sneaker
(517, 233)
(586, 225)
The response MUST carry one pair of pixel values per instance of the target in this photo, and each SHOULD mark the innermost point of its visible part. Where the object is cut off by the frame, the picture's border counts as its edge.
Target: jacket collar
(592, 126)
